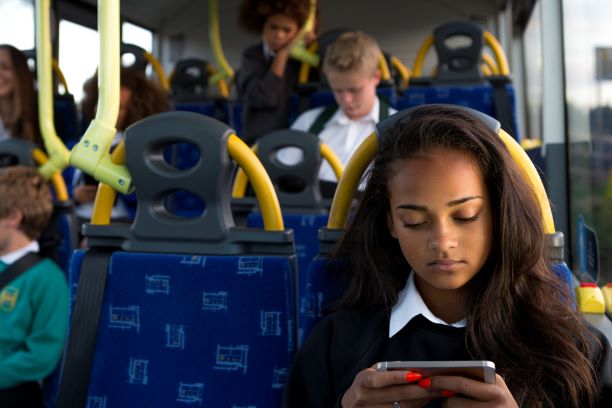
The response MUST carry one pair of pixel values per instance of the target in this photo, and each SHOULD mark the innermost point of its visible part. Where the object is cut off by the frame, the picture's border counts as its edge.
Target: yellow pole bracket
(91, 154)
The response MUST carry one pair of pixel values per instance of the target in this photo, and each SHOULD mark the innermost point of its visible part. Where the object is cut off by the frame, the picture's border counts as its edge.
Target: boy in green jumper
(34, 305)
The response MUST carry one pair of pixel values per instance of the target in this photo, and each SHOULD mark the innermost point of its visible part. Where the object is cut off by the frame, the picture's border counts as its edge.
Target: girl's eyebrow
(452, 203)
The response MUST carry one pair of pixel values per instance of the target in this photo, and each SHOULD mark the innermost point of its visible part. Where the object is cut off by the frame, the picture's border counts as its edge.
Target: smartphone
(480, 370)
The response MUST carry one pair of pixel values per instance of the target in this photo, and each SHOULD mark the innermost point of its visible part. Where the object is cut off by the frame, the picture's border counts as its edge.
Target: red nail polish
(412, 377)
(448, 394)
(425, 383)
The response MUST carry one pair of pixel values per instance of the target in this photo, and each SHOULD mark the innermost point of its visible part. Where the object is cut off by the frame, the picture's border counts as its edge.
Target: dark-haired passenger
(267, 75)
(18, 114)
(446, 259)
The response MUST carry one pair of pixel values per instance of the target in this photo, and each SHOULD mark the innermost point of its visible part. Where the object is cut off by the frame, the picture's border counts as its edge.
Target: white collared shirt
(342, 134)
(15, 255)
(409, 305)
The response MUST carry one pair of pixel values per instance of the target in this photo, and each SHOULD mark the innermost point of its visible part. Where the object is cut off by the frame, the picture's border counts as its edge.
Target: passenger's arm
(258, 85)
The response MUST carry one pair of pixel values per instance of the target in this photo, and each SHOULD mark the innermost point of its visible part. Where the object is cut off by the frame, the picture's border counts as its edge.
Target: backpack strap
(18, 267)
(320, 121)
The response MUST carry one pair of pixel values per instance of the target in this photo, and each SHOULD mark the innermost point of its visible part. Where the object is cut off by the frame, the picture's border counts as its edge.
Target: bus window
(78, 55)
(588, 73)
(17, 23)
(133, 34)
(532, 46)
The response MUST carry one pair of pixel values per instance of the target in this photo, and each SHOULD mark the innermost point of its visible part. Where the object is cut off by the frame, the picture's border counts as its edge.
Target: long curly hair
(147, 97)
(520, 313)
(254, 13)
(19, 111)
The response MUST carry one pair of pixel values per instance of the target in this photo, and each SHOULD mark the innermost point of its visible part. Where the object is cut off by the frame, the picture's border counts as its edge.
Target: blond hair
(24, 189)
(352, 52)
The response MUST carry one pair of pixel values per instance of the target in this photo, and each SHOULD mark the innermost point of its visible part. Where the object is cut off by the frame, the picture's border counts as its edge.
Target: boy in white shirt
(350, 66)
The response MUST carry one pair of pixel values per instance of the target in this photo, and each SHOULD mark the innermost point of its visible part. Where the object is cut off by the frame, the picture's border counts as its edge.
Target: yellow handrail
(262, 186)
(105, 196)
(241, 181)
(500, 56)
(358, 162)
(385, 74)
(498, 51)
(225, 70)
(489, 62)
(159, 71)
(533, 178)
(60, 75)
(347, 185)
(420, 58)
(403, 70)
(305, 67)
(58, 154)
(332, 158)
(222, 85)
(57, 181)
(91, 154)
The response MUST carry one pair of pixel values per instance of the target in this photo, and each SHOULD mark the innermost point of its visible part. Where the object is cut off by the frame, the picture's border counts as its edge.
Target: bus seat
(193, 310)
(234, 115)
(64, 107)
(190, 90)
(297, 188)
(322, 289)
(65, 118)
(458, 78)
(137, 58)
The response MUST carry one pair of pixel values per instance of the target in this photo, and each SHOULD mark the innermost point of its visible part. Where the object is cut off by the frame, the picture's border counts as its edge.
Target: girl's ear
(390, 225)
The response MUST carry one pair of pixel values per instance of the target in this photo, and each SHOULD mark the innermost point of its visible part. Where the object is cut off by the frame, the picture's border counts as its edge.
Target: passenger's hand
(465, 392)
(84, 193)
(381, 389)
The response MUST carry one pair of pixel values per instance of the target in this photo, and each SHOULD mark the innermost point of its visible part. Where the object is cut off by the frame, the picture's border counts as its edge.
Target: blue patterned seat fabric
(305, 230)
(180, 330)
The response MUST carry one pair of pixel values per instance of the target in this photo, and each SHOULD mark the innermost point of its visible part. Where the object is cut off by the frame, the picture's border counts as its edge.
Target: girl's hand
(465, 392)
(381, 389)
